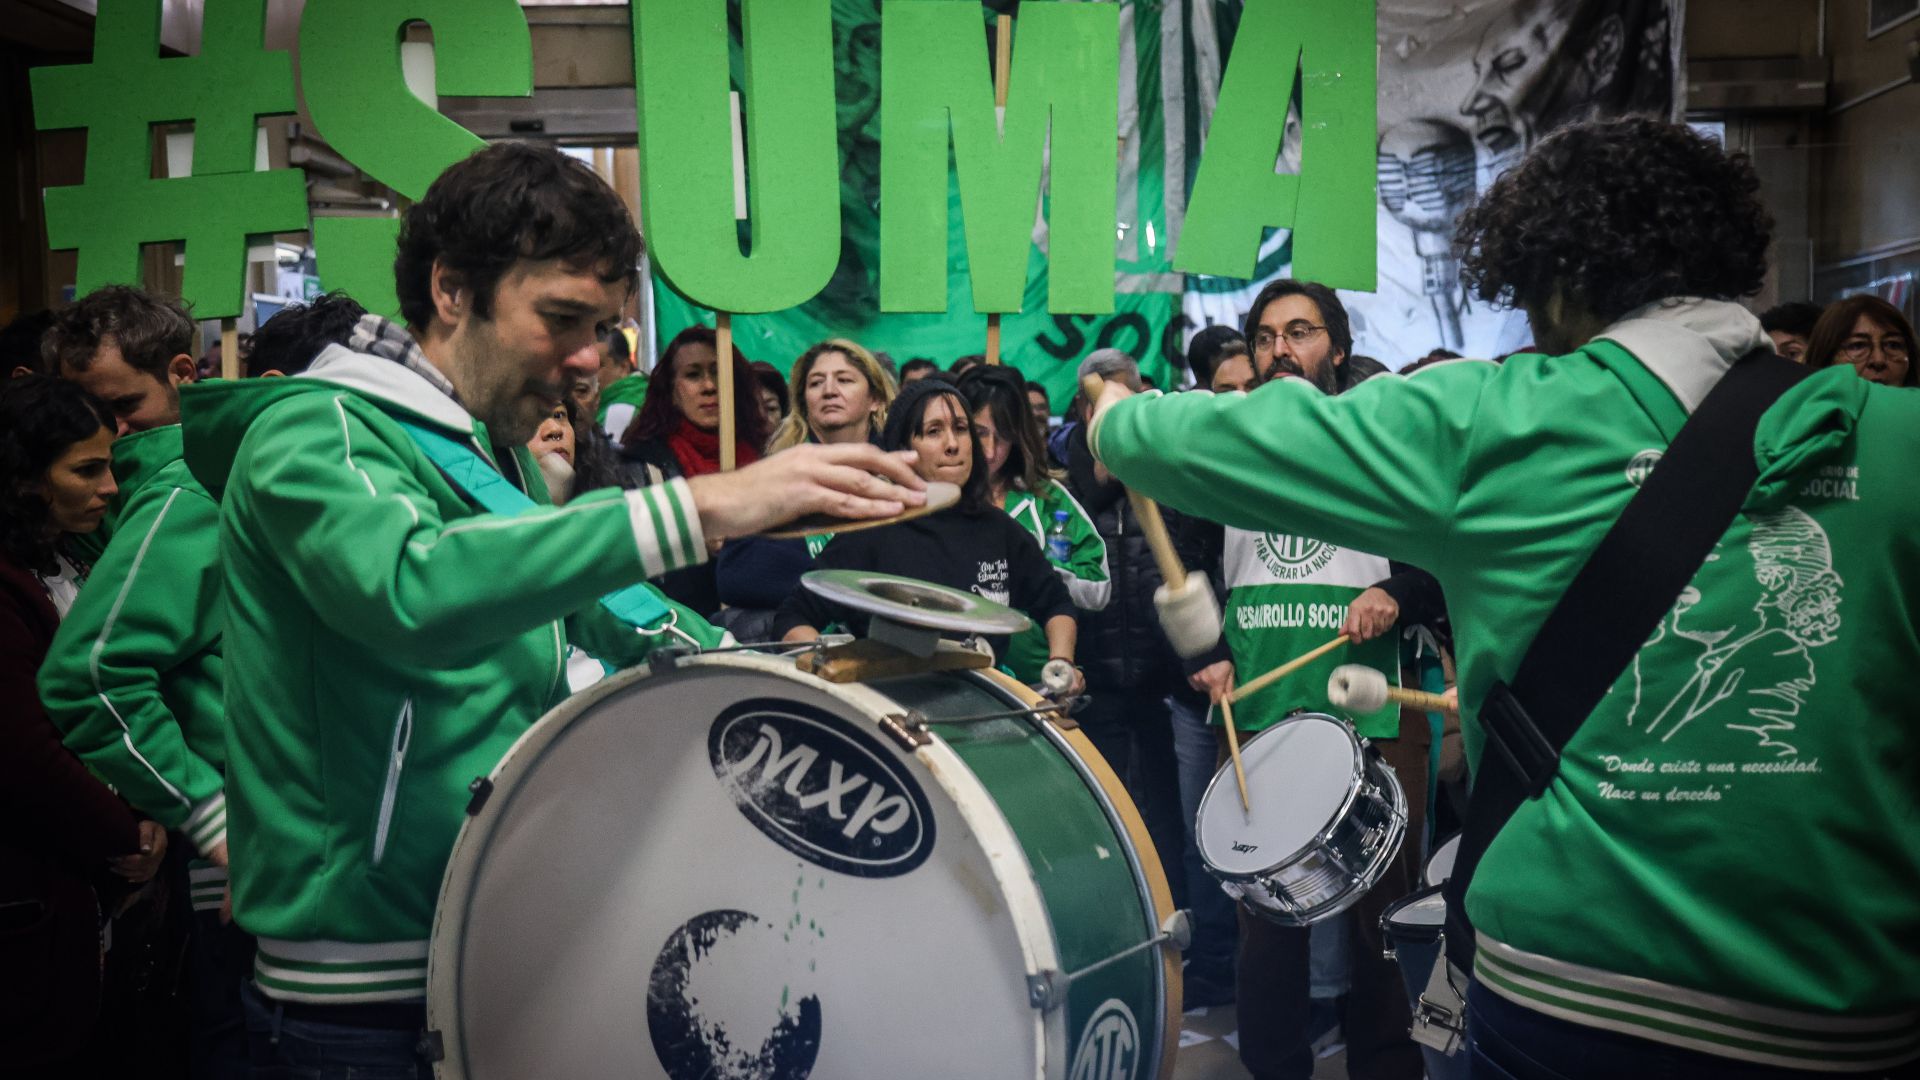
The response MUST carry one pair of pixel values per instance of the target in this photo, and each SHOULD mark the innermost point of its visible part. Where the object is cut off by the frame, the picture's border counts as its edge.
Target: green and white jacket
(387, 642)
(1085, 573)
(1729, 857)
(133, 677)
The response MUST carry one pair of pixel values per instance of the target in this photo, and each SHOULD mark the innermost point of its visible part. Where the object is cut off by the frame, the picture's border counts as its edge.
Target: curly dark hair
(508, 202)
(289, 341)
(40, 418)
(1615, 214)
(148, 329)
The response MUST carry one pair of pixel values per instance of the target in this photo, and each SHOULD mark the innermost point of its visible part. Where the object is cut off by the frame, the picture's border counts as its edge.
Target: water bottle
(1059, 544)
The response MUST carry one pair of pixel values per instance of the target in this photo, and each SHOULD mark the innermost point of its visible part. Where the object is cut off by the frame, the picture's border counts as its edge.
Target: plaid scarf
(389, 340)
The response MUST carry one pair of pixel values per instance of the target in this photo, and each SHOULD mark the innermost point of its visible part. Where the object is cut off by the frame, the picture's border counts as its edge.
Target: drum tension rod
(1048, 990)
(909, 729)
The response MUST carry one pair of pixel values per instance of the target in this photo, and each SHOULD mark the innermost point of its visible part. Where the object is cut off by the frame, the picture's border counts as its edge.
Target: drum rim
(1422, 893)
(1149, 876)
(1361, 748)
(1019, 890)
(1384, 854)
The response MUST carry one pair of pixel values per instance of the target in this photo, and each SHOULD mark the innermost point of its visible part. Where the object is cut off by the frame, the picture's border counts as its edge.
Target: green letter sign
(1064, 86)
(118, 97)
(1329, 204)
(350, 70)
(686, 150)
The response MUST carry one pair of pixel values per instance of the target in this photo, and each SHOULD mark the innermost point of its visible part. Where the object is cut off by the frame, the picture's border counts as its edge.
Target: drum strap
(1614, 604)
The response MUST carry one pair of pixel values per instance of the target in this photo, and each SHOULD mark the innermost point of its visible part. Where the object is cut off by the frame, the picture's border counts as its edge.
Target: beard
(1324, 377)
(515, 415)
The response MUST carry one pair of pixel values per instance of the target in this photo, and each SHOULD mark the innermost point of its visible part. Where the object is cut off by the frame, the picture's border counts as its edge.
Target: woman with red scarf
(676, 432)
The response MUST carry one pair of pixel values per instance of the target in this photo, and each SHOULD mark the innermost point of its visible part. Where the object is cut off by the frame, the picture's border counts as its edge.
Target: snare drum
(1328, 816)
(735, 869)
(1413, 929)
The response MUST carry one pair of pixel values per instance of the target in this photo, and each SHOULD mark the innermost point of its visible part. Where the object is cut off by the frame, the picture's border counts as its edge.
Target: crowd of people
(270, 602)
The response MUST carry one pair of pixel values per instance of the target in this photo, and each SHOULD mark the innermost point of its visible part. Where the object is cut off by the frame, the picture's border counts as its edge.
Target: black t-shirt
(983, 551)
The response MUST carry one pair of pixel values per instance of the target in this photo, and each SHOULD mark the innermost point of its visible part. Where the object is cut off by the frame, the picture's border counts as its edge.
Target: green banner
(1145, 321)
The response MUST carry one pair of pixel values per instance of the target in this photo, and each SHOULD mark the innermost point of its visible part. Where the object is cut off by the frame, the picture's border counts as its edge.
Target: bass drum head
(729, 871)
(1416, 918)
(1301, 773)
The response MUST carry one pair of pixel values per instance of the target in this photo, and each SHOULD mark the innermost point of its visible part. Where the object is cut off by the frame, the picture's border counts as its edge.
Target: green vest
(1288, 595)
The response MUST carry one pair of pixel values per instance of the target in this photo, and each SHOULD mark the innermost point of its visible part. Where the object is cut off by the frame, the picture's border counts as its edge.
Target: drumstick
(1364, 689)
(1152, 525)
(1287, 669)
(1233, 749)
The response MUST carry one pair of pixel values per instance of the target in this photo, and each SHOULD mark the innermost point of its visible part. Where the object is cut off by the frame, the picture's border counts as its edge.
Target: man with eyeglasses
(1299, 329)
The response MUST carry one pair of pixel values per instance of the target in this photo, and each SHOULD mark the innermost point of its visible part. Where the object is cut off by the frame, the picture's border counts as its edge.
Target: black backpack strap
(1613, 605)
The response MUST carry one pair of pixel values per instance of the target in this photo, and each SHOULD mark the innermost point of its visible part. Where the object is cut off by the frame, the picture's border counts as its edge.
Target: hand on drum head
(855, 481)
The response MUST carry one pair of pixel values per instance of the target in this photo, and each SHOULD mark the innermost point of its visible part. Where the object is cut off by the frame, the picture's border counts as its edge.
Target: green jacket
(1085, 572)
(1729, 856)
(133, 678)
(388, 643)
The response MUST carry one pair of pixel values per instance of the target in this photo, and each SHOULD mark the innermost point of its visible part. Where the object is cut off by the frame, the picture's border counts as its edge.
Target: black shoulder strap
(1614, 604)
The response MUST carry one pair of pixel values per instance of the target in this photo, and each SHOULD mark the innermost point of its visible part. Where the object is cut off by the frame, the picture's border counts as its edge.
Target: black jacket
(1122, 647)
(980, 551)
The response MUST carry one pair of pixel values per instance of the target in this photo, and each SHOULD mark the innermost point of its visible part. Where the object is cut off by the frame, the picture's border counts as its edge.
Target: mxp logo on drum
(821, 788)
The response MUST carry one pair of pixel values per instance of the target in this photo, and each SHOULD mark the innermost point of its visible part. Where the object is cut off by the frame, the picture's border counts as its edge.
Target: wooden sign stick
(723, 320)
(229, 349)
(1002, 61)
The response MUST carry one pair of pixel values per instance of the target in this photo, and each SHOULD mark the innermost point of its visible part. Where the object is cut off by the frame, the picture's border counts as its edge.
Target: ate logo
(1291, 558)
(1641, 466)
(1109, 1044)
(821, 788)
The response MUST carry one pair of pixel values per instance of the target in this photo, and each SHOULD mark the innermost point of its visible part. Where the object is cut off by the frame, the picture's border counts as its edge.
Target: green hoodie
(133, 677)
(1084, 573)
(1728, 858)
(388, 643)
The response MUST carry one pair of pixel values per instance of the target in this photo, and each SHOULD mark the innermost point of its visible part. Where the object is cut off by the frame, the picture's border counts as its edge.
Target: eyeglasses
(1860, 350)
(1296, 334)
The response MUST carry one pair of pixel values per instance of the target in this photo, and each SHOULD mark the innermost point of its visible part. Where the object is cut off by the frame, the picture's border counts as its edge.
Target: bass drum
(736, 870)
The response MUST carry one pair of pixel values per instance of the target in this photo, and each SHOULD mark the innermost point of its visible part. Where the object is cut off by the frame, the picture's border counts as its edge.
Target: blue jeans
(1215, 930)
(285, 1048)
(1506, 1041)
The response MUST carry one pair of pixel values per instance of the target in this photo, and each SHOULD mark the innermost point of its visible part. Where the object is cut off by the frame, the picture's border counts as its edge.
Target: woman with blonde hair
(839, 394)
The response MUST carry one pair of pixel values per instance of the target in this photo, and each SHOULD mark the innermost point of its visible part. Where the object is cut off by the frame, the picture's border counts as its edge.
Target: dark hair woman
(68, 829)
(676, 432)
(1868, 333)
(1019, 483)
(773, 393)
(973, 546)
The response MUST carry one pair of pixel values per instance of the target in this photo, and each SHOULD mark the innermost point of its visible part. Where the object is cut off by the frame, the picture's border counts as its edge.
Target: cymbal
(940, 496)
(913, 602)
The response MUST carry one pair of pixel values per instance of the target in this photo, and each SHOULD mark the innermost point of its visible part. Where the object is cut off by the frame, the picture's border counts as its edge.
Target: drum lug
(482, 789)
(666, 658)
(908, 729)
(1047, 991)
(432, 1046)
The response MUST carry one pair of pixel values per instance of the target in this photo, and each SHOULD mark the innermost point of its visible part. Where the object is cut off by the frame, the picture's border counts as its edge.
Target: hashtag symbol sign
(128, 88)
